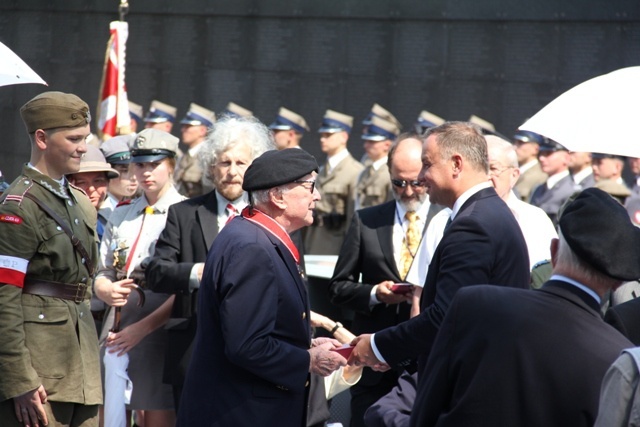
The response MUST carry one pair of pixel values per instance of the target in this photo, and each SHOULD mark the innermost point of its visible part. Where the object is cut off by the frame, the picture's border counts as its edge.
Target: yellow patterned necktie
(410, 244)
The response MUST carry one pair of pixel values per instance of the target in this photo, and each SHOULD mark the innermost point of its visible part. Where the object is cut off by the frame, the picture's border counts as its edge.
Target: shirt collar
(378, 163)
(577, 285)
(580, 176)
(554, 179)
(337, 158)
(528, 165)
(466, 195)
(240, 203)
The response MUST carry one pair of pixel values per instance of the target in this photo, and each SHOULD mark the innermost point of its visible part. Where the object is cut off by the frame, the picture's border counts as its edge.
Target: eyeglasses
(402, 183)
(496, 171)
(308, 181)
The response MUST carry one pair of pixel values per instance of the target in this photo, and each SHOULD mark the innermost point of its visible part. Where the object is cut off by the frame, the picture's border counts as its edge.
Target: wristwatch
(336, 327)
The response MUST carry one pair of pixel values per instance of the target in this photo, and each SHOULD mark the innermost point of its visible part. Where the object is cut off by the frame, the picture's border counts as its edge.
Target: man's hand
(362, 354)
(29, 409)
(323, 361)
(384, 294)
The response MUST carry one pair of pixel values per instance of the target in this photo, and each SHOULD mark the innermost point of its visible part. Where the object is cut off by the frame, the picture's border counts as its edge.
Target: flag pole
(123, 9)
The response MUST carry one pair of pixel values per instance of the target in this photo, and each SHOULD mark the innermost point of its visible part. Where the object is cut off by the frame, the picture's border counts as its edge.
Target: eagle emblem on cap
(140, 141)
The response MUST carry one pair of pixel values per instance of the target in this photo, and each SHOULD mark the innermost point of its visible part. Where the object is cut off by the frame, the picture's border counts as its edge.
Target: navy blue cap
(288, 120)
(160, 112)
(380, 130)
(550, 145)
(528, 136)
(606, 156)
(234, 110)
(199, 116)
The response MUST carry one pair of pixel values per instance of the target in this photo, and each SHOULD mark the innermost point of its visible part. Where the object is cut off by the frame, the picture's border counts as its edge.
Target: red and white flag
(113, 108)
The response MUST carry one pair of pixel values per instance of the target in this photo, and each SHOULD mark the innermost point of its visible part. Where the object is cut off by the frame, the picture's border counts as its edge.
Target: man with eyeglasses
(537, 228)
(378, 253)
(192, 225)
(253, 349)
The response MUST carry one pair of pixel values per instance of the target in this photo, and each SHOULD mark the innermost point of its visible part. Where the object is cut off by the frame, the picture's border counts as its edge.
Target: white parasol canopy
(14, 70)
(597, 116)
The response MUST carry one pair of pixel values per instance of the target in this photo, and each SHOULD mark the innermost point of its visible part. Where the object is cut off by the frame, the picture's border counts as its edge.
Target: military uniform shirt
(46, 340)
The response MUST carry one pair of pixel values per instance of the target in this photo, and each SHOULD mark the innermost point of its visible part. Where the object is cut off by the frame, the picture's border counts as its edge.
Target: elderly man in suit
(482, 244)
(253, 350)
(510, 357)
(385, 245)
(193, 224)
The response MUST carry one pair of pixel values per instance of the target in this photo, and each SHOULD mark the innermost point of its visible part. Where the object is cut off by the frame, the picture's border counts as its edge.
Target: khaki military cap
(381, 130)
(152, 145)
(51, 110)
(383, 113)
(199, 116)
(116, 149)
(135, 111)
(234, 110)
(288, 120)
(333, 122)
(428, 120)
(487, 126)
(159, 112)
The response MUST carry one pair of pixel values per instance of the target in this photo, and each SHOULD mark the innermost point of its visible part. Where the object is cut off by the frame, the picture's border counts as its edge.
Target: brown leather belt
(74, 292)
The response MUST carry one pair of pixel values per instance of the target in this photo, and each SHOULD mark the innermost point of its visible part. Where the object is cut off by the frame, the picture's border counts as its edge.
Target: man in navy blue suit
(511, 357)
(482, 244)
(253, 350)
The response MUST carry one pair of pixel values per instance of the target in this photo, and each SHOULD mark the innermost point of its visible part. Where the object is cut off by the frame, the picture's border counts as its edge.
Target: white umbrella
(13, 70)
(118, 389)
(597, 116)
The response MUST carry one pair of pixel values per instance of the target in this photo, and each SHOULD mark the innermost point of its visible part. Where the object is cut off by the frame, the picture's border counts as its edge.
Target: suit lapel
(207, 216)
(384, 228)
(291, 266)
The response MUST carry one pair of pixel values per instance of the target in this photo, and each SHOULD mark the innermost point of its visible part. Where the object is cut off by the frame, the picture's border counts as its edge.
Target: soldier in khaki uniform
(48, 341)
(288, 129)
(373, 186)
(161, 116)
(195, 126)
(531, 175)
(336, 182)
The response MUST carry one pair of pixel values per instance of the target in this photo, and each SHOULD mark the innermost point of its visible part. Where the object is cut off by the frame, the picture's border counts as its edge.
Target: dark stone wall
(501, 60)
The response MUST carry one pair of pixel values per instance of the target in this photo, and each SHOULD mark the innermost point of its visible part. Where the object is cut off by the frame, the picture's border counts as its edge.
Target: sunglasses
(402, 183)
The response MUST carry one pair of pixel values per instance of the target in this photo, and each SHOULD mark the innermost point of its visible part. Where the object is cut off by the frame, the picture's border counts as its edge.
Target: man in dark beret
(48, 341)
(510, 357)
(253, 350)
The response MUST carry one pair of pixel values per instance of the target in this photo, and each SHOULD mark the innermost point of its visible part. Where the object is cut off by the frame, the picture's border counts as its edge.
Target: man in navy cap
(374, 183)
(336, 183)
(195, 125)
(551, 195)
(288, 129)
(252, 355)
(527, 146)
(511, 357)
(427, 120)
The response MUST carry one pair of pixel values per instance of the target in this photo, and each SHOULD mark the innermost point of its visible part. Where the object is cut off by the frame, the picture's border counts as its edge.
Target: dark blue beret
(599, 231)
(274, 168)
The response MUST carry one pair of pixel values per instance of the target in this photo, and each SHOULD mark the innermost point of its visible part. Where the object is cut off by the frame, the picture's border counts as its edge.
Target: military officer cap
(607, 156)
(152, 145)
(486, 126)
(383, 113)
(199, 116)
(427, 120)
(135, 111)
(234, 110)
(116, 149)
(278, 167)
(333, 122)
(549, 145)
(600, 232)
(51, 110)
(94, 161)
(381, 130)
(528, 136)
(160, 112)
(288, 120)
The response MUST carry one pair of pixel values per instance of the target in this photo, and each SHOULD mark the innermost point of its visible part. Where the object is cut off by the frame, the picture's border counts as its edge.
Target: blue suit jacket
(250, 362)
(483, 244)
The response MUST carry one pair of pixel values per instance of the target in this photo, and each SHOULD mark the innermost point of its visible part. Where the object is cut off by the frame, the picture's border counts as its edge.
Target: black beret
(275, 168)
(599, 231)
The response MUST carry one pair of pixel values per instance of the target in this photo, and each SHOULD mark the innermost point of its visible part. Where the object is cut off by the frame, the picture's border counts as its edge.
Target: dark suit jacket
(510, 357)
(483, 244)
(189, 232)
(625, 318)
(250, 363)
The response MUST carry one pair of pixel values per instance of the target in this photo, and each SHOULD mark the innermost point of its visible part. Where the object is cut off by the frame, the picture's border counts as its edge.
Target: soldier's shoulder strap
(77, 244)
